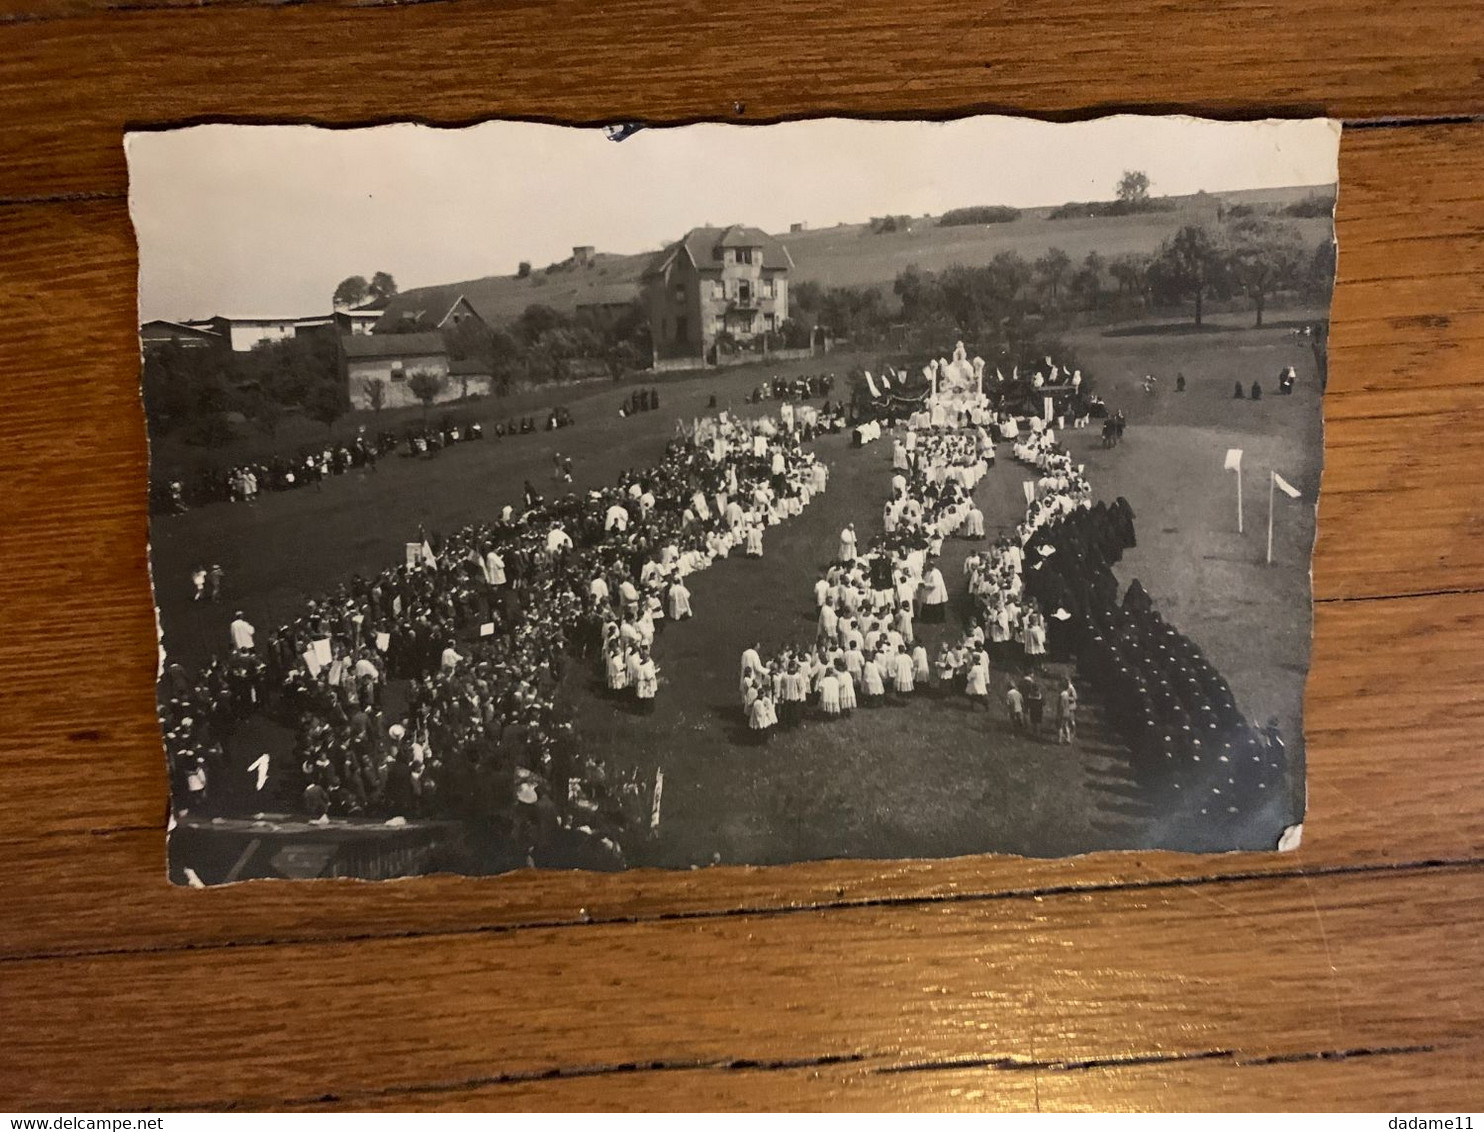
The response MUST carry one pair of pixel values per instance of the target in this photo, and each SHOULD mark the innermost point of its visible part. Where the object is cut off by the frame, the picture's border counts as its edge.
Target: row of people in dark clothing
(1191, 748)
(640, 401)
(802, 388)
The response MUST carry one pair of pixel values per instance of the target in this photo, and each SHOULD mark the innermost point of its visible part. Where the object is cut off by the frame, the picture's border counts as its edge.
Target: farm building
(716, 281)
(242, 334)
(392, 359)
(161, 332)
(589, 279)
(338, 324)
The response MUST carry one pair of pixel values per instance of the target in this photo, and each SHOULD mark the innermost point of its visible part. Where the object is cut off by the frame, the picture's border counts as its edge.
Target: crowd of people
(640, 401)
(865, 651)
(1043, 595)
(481, 625)
(1190, 745)
(248, 481)
(435, 689)
(805, 387)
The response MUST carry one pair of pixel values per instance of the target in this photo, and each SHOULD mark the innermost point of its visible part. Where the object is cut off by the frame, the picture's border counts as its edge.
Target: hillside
(850, 255)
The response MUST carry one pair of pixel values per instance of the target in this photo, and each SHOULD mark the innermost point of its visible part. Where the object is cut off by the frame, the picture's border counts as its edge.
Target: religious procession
(481, 625)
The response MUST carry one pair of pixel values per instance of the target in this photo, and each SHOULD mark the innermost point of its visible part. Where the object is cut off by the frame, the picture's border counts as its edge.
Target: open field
(928, 778)
(849, 254)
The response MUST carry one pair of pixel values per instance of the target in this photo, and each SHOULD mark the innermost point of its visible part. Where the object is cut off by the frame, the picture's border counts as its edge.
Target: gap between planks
(875, 1065)
(1044, 892)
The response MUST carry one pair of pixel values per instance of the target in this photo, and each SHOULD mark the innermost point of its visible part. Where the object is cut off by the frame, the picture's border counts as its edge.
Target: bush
(979, 214)
(1313, 205)
(1080, 210)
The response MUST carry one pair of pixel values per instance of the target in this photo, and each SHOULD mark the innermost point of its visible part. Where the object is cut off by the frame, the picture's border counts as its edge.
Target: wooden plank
(1385, 672)
(1265, 969)
(1408, 1080)
(456, 62)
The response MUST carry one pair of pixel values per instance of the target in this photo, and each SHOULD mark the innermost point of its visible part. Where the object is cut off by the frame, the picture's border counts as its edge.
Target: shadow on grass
(1188, 327)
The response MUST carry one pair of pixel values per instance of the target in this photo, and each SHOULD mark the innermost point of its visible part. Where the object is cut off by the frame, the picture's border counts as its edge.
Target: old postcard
(526, 495)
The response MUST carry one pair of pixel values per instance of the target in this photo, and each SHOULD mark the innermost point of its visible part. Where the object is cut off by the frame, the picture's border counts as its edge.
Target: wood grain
(1345, 975)
(1386, 1080)
(1383, 962)
(463, 60)
(90, 893)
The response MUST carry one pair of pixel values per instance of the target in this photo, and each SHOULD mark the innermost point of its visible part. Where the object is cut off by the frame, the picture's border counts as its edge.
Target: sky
(266, 220)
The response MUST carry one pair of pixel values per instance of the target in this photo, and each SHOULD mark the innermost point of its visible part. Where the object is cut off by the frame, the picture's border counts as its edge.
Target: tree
(352, 292)
(524, 270)
(1319, 272)
(920, 293)
(536, 320)
(425, 386)
(265, 413)
(375, 393)
(1133, 187)
(1189, 265)
(1052, 269)
(327, 403)
(1264, 256)
(1129, 270)
(382, 287)
(1087, 284)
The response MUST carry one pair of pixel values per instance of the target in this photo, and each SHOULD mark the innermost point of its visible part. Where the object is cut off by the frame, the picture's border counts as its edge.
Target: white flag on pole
(1233, 460)
(1285, 487)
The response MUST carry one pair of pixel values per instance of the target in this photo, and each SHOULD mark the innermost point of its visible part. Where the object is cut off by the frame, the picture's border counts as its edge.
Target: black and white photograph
(533, 496)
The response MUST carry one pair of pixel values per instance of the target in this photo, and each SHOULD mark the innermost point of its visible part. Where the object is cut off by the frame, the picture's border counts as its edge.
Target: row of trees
(200, 394)
(357, 290)
(545, 345)
(1256, 257)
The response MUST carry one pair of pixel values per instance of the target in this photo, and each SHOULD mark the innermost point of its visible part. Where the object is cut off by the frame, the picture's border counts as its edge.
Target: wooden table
(1347, 974)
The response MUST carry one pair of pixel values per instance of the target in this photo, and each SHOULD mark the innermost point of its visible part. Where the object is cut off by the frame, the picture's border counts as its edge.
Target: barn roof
(499, 300)
(421, 343)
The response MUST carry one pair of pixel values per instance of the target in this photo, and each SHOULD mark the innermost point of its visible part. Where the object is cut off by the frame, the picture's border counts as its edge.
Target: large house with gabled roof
(716, 281)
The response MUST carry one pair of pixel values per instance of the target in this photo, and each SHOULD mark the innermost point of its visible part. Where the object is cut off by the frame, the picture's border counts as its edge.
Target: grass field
(852, 255)
(849, 254)
(927, 779)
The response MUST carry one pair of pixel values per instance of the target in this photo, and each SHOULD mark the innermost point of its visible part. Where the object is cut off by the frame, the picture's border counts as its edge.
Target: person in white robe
(920, 669)
(679, 595)
(934, 595)
(974, 522)
(755, 541)
(976, 682)
(846, 551)
(871, 683)
(752, 663)
(827, 629)
(494, 568)
(847, 687)
(902, 673)
(617, 670)
(241, 633)
(647, 680)
(829, 693)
